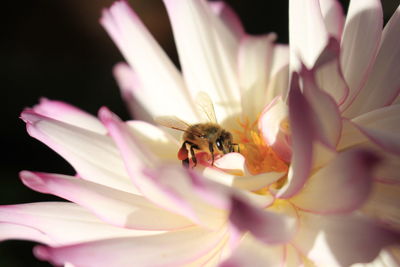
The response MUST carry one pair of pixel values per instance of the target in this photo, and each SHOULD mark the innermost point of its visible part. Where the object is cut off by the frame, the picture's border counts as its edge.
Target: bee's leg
(192, 154)
(211, 148)
(238, 147)
(185, 163)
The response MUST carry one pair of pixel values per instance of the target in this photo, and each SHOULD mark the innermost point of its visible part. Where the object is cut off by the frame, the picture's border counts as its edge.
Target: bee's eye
(219, 144)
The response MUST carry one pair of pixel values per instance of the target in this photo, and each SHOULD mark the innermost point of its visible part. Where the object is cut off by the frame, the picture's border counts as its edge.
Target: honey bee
(207, 137)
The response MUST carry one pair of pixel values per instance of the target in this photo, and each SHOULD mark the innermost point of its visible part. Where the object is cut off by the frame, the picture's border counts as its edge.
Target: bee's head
(224, 142)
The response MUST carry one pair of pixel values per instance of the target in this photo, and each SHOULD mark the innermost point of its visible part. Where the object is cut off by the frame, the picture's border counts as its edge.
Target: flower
(316, 179)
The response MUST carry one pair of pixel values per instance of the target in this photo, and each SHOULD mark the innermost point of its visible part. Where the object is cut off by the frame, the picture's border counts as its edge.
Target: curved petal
(113, 206)
(93, 155)
(273, 127)
(168, 249)
(327, 118)
(159, 96)
(255, 56)
(307, 32)
(251, 252)
(360, 43)
(341, 240)
(382, 126)
(302, 128)
(341, 186)
(69, 114)
(268, 227)
(207, 53)
(332, 12)
(42, 222)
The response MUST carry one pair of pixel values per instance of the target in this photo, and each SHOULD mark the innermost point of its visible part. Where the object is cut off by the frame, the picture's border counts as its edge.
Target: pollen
(260, 158)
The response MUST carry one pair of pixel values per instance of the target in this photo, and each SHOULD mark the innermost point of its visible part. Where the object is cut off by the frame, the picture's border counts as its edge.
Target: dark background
(57, 49)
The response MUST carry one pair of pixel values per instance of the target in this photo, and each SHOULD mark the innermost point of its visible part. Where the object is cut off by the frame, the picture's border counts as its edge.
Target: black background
(57, 49)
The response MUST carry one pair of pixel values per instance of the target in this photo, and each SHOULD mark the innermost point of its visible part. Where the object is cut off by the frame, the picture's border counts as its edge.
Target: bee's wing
(172, 122)
(205, 104)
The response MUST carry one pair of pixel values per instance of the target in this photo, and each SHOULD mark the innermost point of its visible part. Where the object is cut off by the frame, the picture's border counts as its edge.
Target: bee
(207, 137)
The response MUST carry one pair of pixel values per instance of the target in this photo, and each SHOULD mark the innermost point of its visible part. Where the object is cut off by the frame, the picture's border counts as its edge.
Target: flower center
(260, 158)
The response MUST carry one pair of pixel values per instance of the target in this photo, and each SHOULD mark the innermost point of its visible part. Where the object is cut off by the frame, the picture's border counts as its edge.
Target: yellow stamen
(260, 158)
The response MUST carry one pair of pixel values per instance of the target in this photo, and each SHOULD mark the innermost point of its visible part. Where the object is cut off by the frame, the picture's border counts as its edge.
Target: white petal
(93, 155)
(169, 249)
(113, 206)
(382, 126)
(207, 54)
(255, 56)
(360, 42)
(307, 33)
(332, 12)
(42, 222)
(162, 83)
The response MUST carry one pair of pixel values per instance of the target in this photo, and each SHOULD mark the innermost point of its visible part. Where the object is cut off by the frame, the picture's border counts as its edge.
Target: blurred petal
(93, 155)
(168, 249)
(251, 252)
(267, 226)
(341, 240)
(42, 222)
(113, 206)
(341, 186)
(360, 42)
(207, 53)
(255, 56)
(69, 114)
(382, 126)
(146, 57)
(307, 32)
(302, 128)
(383, 204)
(332, 12)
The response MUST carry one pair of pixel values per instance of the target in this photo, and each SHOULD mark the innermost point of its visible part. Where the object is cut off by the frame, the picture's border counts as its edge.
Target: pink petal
(158, 96)
(382, 126)
(93, 155)
(231, 163)
(307, 33)
(113, 206)
(327, 118)
(341, 240)
(255, 58)
(42, 222)
(360, 43)
(271, 124)
(229, 17)
(341, 186)
(332, 12)
(69, 114)
(269, 227)
(302, 128)
(207, 53)
(251, 252)
(168, 249)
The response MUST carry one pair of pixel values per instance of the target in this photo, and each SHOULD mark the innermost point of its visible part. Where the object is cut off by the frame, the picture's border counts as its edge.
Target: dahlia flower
(316, 181)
